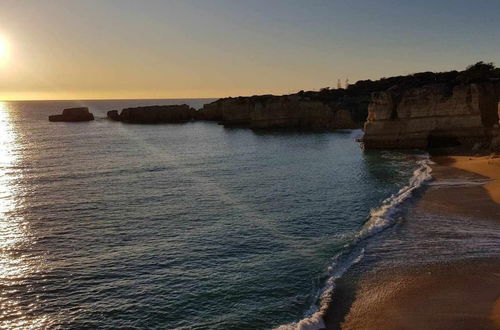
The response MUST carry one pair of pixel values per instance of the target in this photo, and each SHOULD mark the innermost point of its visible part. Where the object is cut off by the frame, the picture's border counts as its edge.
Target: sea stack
(73, 115)
(113, 115)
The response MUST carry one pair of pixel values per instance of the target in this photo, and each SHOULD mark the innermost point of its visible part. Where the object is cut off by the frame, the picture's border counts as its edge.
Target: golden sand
(488, 166)
(453, 296)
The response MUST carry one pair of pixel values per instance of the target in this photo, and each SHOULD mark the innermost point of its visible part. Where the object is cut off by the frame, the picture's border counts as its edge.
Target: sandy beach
(487, 166)
(458, 294)
(481, 200)
(455, 296)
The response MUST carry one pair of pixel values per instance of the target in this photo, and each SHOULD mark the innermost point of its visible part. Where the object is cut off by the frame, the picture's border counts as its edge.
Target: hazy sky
(92, 49)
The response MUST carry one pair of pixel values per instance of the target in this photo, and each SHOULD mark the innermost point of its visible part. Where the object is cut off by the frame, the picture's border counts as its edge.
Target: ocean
(191, 226)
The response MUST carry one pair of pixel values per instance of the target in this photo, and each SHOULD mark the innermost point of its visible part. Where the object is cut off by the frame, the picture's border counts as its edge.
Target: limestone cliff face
(155, 114)
(263, 112)
(433, 116)
(211, 111)
(293, 112)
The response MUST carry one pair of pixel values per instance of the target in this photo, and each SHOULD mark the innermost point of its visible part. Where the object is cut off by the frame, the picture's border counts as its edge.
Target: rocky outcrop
(154, 114)
(432, 116)
(268, 111)
(211, 111)
(293, 112)
(495, 140)
(73, 115)
(343, 119)
(113, 115)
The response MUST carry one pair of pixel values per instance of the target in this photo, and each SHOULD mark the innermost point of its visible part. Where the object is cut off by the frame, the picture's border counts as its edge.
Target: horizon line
(131, 99)
(113, 99)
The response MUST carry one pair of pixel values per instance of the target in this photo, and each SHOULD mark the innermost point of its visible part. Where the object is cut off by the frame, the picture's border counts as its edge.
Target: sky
(121, 49)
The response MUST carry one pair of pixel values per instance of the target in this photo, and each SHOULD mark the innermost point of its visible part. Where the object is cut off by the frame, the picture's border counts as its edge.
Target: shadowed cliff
(459, 112)
(335, 108)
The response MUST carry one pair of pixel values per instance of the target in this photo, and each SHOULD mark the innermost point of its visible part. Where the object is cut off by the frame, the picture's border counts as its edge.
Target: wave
(446, 183)
(380, 218)
(385, 215)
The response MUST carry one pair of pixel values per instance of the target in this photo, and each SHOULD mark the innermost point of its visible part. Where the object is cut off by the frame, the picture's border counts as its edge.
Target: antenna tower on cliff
(339, 85)
(347, 82)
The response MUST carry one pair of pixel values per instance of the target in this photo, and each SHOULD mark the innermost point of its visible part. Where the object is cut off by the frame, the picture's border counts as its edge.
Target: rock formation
(154, 114)
(343, 119)
(73, 115)
(211, 111)
(421, 110)
(268, 111)
(433, 116)
(113, 115)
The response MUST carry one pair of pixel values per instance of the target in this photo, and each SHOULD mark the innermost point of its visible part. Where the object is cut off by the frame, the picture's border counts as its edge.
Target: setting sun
(235, 164)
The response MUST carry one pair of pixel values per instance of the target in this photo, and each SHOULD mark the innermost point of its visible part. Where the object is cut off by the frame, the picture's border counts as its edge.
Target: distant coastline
(424, 110)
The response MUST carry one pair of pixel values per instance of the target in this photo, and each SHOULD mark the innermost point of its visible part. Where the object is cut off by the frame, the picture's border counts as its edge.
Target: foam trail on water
(384, 216)
(380, 218)
(446, 183)
(315, 319)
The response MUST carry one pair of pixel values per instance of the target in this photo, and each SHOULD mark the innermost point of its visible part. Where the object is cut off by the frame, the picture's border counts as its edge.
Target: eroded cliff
(154, 114)
(268, 111)
(433, 116)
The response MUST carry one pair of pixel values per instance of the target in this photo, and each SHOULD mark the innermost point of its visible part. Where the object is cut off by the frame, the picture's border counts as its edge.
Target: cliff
(268, 111)
(343, 107)
(421, 110)
(437, 115)
(73, 115)
(154, 114)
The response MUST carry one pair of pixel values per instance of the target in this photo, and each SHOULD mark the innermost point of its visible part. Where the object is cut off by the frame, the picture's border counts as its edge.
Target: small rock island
(73, 115)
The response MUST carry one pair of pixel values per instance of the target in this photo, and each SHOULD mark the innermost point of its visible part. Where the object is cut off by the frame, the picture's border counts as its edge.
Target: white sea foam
(380, 218)
(384, 216)
(445, 183)
(315, 319)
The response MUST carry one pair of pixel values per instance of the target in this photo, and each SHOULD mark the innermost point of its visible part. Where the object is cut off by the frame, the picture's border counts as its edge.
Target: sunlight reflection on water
(10, 230)
(14, 235)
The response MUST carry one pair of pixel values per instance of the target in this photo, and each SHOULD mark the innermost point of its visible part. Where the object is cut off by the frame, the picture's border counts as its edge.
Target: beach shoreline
(487, 166)
(456, 294)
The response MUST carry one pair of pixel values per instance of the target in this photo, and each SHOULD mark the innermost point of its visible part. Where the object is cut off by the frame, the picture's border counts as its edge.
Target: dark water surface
(195, 226)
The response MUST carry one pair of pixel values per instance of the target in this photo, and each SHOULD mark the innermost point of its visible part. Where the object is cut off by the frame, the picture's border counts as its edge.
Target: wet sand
(455, 295)
(487, 166)
(468, 200)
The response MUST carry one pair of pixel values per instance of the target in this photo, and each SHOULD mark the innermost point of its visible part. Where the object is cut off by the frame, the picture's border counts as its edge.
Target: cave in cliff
(439, 141)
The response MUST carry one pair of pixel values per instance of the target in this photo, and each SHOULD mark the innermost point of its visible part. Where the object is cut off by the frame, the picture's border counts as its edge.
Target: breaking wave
(380, 218)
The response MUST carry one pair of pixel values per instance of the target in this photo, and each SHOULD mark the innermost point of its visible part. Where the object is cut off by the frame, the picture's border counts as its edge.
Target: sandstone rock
(432, 116)
(268, 111)
(495, 140)
(157, 114)
(73, 115)
(293, 113)
(113, 115)
(211, 111)
(343, 119)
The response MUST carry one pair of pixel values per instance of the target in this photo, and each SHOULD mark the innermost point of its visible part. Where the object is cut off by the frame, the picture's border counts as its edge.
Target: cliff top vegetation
(356, 97)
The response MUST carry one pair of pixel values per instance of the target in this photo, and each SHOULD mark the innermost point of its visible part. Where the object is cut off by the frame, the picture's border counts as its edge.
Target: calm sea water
(191, 226)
